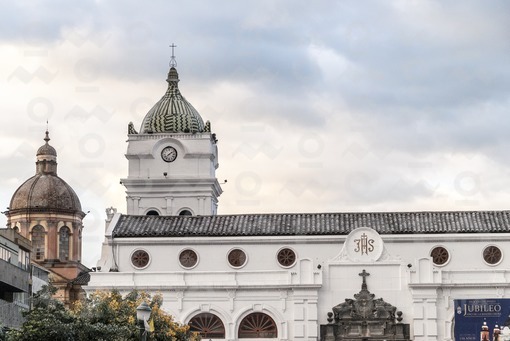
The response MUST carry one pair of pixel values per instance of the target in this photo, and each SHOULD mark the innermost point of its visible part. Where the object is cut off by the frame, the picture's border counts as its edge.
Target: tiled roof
(312, 224)
(172, 113)
(82, 279)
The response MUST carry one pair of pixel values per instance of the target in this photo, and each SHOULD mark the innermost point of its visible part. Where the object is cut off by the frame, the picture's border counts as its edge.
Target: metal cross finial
(47, 138)
(173, 62)
(364, 274)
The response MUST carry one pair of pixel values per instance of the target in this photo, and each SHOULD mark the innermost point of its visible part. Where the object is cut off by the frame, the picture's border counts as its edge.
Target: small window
(185, 212)
(440, 256)
(286, 257)
(152, 212)
(237, 258)
(188, 258)
(208, 325)
(63, 244)
(38, 242)
(140, 259)
(492, 255)
(257, 326)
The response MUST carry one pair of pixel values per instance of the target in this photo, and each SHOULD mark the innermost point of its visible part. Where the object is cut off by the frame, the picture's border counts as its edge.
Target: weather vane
(173, 62)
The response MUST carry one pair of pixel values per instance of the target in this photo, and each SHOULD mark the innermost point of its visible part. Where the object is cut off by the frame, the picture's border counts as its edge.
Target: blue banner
(481, 319)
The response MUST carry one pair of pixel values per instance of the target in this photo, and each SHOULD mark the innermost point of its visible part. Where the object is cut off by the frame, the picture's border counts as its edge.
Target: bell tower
(173, 159)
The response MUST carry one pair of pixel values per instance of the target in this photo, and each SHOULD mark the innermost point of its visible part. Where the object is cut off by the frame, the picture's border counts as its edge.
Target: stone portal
(364, 318)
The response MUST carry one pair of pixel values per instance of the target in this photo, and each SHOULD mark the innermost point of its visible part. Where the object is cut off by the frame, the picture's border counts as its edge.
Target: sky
(327, 106)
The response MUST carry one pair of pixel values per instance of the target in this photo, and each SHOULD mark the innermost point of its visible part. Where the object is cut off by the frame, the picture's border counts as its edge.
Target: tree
(105, 315)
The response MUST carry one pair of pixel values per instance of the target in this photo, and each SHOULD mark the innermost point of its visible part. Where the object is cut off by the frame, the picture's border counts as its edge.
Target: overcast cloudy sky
(318, 106)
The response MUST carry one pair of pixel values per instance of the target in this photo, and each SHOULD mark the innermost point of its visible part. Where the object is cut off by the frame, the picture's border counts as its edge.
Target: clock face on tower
(169, 154)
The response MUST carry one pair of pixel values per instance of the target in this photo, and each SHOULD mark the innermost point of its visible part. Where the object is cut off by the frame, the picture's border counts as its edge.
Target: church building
(47, 211)
(306, 276)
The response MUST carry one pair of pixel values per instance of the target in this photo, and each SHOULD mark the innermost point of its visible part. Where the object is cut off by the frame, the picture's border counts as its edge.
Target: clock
(169, 154)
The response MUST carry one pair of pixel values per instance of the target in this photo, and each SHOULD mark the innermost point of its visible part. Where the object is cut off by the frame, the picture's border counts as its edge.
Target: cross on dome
(173, 62)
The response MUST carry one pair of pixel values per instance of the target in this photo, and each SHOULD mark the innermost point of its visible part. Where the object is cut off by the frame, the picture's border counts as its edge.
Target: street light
(143, 312)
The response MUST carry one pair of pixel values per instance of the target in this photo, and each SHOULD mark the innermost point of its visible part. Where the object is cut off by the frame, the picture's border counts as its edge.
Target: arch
(185, 211)
(257, 325)
(205, 308)
(64, 243)
(266, 309)
(38, 237)
(152, 212)
(208, 325)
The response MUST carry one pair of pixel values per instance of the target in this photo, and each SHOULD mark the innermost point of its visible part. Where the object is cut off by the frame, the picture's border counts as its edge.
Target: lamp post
(143, 312)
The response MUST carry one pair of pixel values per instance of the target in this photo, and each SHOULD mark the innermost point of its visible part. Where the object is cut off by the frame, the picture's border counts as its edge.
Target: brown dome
(46, 150)
(45, 192)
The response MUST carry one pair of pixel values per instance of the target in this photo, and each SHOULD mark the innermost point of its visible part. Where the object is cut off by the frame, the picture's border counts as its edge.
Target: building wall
(325, 274)
(14, 277)
(188, 182)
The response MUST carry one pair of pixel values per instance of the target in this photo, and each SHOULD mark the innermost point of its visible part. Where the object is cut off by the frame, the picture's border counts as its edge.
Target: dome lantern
(46, 157)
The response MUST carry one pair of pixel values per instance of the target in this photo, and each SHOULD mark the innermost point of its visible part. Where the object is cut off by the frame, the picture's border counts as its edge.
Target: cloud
(324, 106)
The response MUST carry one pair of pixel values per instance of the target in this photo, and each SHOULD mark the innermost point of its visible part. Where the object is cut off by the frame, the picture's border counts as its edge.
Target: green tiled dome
(172, 113)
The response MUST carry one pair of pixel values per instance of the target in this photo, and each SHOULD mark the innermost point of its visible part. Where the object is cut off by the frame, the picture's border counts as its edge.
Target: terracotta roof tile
(312, 224)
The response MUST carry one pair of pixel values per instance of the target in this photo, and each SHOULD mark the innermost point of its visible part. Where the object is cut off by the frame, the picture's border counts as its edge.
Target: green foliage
(2, 333)
(104, 315)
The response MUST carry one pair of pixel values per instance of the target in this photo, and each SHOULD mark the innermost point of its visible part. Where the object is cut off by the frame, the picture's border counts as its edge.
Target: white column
(136, 205)
(169, 205)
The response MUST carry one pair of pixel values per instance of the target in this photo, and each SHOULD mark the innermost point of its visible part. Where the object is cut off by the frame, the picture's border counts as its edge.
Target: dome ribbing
(45, 191)
(173, 113)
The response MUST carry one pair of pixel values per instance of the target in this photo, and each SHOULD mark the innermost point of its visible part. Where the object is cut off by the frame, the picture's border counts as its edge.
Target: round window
(140, 259)
(237, 258)
(492, 255)
(440, 255)
(286, 257)
(188, 258)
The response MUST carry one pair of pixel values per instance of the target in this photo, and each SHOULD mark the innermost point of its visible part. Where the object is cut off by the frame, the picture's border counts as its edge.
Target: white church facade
(317, 276)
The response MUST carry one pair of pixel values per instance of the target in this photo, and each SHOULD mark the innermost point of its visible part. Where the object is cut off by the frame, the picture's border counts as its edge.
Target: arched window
(208, 325)
(185, 212)
(38, 241)
(152, 212)
(257, 326)
(63, 243)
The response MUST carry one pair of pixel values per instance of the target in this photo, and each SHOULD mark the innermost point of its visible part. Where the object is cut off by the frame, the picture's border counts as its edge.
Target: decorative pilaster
(169, 205)
(231, 297)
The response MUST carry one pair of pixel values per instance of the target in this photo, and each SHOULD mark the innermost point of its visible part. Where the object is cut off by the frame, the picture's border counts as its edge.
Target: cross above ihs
(364, 274)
